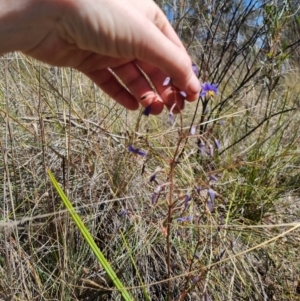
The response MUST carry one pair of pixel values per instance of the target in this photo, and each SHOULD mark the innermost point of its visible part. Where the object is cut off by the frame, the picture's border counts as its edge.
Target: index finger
(170, 57)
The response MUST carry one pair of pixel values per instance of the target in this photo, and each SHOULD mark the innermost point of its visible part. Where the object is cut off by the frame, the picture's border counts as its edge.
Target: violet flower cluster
(209, 149)
(136, 151)
(209, 90)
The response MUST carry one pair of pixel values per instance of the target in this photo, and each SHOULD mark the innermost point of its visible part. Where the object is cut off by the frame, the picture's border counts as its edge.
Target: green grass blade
(146, 295)
(89, 239)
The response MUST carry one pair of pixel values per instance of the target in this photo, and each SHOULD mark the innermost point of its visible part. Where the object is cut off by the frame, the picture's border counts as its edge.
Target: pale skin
(105, 39)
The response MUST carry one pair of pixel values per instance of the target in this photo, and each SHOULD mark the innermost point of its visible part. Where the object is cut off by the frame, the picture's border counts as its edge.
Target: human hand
(111, 40)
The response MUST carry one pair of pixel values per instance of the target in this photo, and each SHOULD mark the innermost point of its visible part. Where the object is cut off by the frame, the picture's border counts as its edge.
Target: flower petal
(147, 111)
(217, 144)
(171, 118)
(193, 130)
(183, 94)
(153, 177)
(136, 151)
(166, 81)
(187, 199)
(195, 69)
(212, 194)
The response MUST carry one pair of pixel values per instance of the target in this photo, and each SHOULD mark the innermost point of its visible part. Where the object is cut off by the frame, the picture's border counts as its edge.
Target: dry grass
(241, 250)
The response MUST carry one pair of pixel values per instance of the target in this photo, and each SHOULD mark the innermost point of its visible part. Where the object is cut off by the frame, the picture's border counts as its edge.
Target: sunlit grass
(243, 247)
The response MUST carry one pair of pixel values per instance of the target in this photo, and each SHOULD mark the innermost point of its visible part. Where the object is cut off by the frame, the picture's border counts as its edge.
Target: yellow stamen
(211, 93)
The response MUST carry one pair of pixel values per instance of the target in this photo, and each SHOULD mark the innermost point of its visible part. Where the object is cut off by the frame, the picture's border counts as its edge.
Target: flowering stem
(170, 204)
(193, 120)
(170, 209)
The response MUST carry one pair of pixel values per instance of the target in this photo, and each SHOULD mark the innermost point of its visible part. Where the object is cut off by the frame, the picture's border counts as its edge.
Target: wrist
(24, 23)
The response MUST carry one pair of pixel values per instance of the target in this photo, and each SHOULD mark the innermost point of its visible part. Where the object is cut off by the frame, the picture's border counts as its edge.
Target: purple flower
(153, 177)
(187, 199)
(147, 111)
(210, 205)
(195, 69)
(183, 94)
(166, 81)
(171, 118)
(209, 90)
(136, 151)
(195, 280)
(212, 194)
(217, 144)
(202, 148)
(189, 218)
(123, 213)
(212, 178)
(154, 198)
(193, 130)
(199, 189)
(184, 219)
